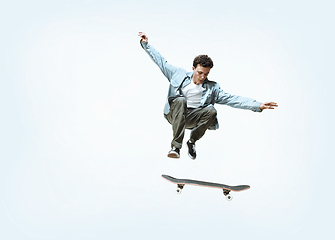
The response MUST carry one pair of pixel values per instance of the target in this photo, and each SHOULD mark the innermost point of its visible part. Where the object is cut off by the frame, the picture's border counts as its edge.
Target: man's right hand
(143, 37)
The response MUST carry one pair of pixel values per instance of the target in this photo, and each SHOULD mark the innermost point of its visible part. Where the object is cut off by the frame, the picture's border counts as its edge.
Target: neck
(194, 81)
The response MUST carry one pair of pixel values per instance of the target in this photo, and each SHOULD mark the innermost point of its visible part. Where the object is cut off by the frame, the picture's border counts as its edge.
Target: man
(191, 99)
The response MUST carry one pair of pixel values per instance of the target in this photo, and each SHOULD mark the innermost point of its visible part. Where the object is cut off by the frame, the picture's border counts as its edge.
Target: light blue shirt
(211, 94)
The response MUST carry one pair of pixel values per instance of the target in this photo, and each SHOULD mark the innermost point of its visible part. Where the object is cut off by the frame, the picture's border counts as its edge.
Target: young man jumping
(191, 98)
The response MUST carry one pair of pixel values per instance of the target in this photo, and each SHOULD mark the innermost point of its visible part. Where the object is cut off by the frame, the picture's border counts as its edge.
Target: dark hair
(203, 60)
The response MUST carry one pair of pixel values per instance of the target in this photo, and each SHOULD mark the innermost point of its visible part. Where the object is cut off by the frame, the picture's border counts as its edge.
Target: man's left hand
(268, 105)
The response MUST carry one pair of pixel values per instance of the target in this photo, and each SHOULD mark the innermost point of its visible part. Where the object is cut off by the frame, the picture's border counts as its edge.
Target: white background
(84, 141)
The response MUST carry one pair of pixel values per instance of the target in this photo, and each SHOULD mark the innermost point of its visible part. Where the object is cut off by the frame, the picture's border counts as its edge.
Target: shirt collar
(189, 74)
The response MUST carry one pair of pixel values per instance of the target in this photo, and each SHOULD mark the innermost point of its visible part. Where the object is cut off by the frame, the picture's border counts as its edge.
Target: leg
(177, 119)
(199, 120)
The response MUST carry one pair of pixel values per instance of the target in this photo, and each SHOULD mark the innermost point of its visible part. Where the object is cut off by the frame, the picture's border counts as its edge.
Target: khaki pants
(196, 119)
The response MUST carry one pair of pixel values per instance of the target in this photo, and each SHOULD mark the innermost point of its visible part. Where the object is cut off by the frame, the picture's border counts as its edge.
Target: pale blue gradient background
(84, 141)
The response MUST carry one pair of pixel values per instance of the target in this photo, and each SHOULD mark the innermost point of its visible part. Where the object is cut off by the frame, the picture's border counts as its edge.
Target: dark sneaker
(191, 150)
(174, 152)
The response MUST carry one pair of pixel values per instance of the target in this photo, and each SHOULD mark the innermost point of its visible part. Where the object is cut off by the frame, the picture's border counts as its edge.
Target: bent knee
(212, 111)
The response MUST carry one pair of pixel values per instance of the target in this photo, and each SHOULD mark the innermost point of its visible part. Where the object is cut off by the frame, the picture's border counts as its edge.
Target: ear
(193, 68)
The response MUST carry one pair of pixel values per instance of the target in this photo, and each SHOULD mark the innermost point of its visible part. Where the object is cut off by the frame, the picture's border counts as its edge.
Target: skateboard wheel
(179, 188)
(229, 197)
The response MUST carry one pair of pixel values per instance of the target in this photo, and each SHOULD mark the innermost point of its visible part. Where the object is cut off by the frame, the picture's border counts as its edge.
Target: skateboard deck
(226, 188)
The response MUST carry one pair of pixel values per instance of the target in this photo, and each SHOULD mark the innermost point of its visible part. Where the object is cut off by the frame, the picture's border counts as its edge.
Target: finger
(271, 104)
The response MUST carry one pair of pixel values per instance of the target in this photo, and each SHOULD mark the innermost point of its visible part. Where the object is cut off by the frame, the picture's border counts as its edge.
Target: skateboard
(226, 188)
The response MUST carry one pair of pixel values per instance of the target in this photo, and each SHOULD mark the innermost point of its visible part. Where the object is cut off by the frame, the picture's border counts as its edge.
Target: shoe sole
(173, 155)
(193, 158)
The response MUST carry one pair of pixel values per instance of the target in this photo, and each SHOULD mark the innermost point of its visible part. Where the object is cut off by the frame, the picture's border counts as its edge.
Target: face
(200, 73)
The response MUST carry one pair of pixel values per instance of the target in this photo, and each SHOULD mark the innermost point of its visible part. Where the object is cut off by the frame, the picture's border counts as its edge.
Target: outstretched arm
(167, 69)
(241, 102)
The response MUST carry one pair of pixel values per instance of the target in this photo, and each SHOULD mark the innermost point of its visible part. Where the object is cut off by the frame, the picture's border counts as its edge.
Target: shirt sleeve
(167, 69)
(235, 101)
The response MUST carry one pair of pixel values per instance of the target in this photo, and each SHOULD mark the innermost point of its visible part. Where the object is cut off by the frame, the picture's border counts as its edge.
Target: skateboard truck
(180, 188)
(227, 195)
